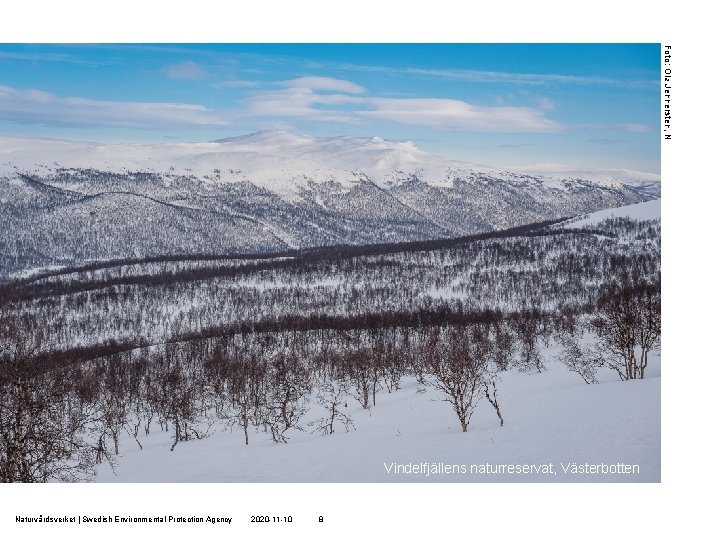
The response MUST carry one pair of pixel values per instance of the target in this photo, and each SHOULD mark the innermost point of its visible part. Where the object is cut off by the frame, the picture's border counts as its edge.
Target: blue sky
(579, 105)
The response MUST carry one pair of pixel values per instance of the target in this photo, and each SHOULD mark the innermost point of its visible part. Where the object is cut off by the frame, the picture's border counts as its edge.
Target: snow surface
(30, 272)
(550, 417)
(597, 175)
(648, 210)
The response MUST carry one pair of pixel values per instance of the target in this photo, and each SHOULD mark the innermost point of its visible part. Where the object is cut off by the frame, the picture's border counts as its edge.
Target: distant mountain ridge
(68, 202)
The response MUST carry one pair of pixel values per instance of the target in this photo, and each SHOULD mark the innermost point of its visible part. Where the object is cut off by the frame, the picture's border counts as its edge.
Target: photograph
(260, 263)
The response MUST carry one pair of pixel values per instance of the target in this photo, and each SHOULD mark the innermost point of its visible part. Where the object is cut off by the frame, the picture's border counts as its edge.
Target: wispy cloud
(301, 103)
(304, 98)
(323, 99)
(324, 83)
(187, 70)
(545, 104)
(502, 77)
(624, 128)
(34, 106)
(635, 128)
(498, 77)
(456, 114)
(46, 57)
(284, 103)
(235, 84)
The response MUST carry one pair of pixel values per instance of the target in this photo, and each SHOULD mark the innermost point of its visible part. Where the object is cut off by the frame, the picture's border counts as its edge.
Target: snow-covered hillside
(648, 210)
(551, 417)
(67, 202)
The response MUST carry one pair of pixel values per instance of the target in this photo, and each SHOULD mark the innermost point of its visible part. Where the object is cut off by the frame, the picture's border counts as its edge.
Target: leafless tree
(528, 328)
(332, 396)
(43, 422)
(394, 365)
(361, 371)
(648, 335)
(178, 393)
(288, 387)
(628, 320)
(504, 345)
(244, 379)
(581, 360)
(459, 370)
(493, 399)
(113, 402)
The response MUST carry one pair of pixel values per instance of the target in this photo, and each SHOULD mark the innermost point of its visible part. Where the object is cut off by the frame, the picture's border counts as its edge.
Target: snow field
(550, 418)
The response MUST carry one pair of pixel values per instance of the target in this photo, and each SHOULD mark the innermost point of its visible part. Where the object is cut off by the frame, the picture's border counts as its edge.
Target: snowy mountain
(65, 202)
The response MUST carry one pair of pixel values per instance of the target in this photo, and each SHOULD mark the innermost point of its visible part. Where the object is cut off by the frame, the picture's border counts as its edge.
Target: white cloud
(299, 98)
(285, 102)
(456, 114)
(324, 83)
(299, 102)
(185, 70)
(35, 106)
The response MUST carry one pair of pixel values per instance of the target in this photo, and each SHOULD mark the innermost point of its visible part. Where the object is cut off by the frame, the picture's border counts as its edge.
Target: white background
(681, 505)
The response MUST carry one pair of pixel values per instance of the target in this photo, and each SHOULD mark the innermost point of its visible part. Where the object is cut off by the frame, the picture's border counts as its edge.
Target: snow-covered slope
(550, 418)
(626, 176)
(649, 210)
